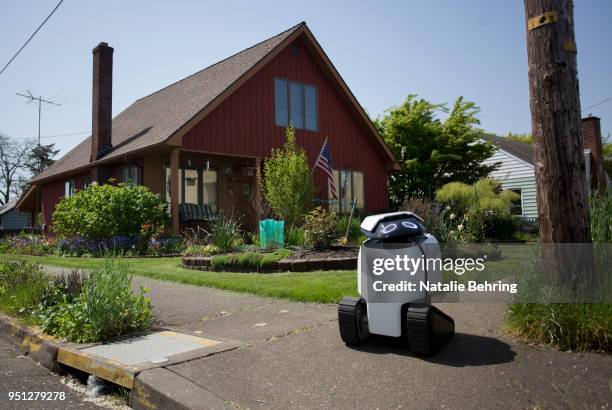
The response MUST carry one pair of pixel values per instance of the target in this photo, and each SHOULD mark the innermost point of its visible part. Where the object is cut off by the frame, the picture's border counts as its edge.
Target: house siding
(14, 220)
(244, 125)
(514, 173)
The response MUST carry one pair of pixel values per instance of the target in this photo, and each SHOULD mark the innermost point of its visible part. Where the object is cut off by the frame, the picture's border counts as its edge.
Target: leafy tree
(526, 138)
(287, 183)
(105, 211)
(435, 152)
(607, 155)
(13, 161)
(40, 158)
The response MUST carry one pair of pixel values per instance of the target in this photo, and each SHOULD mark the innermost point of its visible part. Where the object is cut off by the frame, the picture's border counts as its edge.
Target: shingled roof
(153, 119)
(521, 150)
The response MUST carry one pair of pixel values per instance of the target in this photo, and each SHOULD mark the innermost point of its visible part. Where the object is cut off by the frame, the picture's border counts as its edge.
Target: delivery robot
(402, 314)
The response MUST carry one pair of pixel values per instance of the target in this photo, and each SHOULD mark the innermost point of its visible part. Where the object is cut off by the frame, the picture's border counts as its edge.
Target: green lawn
(319, 286)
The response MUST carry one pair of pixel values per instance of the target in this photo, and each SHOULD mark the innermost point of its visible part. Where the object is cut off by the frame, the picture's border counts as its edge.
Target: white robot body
(404, 313)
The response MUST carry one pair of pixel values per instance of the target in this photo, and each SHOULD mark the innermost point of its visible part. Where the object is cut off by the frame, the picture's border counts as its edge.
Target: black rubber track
(349, 310)
(428, 329)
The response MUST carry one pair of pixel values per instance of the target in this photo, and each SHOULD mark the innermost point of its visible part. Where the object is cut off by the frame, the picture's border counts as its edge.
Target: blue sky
(384, 50)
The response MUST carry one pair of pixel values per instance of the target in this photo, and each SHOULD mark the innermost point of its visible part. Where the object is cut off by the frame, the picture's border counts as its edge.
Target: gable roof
(156, 118)
(8, 206)
(521, 150)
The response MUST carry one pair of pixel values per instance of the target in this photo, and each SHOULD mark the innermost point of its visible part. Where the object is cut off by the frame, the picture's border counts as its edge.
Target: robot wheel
(353, 320)
(428, 329)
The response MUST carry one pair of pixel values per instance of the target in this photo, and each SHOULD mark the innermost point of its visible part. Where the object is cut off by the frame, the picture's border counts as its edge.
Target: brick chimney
(591, 137)
(102, 104)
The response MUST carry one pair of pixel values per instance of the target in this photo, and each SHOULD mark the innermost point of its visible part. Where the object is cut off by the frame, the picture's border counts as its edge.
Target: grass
(318, 286)
(574, 326)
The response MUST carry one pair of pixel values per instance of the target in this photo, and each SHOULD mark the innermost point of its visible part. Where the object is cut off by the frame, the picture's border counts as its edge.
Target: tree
(13, 161)
(41, 157)
(525, 138)
(287, 183)
(607, 155)
(433, 152)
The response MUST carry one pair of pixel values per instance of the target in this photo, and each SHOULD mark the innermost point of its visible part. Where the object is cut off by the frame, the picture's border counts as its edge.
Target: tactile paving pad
(153, 348)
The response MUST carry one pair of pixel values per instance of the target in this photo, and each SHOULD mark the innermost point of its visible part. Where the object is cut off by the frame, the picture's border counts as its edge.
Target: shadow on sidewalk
(463, 350)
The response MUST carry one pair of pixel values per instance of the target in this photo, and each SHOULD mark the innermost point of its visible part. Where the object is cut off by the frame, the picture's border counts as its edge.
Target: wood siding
(516, 174)
(244, 125)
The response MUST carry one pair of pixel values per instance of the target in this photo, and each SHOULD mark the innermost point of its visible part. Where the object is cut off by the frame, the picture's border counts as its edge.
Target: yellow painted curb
(104, 369)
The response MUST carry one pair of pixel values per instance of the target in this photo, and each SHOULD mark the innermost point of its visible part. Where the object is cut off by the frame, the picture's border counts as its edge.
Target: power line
(31, 37)
(66, 135)
(595, 105)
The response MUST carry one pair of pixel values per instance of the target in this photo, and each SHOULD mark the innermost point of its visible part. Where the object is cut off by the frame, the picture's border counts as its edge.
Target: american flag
(324, 163)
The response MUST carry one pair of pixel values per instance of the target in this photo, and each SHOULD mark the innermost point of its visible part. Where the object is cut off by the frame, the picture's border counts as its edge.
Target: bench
(195, 212)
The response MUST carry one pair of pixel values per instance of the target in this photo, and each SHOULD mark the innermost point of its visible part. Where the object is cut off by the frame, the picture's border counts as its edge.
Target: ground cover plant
(75, 307)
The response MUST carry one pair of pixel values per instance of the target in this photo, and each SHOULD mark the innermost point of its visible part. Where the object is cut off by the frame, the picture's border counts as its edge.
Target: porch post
(174, 190)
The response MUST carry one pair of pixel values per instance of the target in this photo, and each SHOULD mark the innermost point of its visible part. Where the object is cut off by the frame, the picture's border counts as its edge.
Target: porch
(199, 185)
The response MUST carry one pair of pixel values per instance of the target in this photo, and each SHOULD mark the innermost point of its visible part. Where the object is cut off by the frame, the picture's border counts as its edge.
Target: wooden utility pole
(556, 125)
(562, 195)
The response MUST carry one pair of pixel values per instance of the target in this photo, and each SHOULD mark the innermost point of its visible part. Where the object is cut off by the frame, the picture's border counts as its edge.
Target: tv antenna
(40, 101)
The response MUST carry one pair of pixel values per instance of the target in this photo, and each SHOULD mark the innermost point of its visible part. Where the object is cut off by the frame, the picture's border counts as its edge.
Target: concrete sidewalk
(292, 357)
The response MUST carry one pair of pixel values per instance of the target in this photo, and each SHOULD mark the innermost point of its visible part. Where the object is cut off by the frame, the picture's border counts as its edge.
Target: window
(209, 189)
(86, 181)
(69, 188)
(191, 190)
(517, 205)
(130, 175)
(190, 186)
(350, 188)
(295, 104)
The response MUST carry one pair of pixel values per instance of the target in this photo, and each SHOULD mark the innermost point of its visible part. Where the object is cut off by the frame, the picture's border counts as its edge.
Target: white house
(515, 172)
(516, 169)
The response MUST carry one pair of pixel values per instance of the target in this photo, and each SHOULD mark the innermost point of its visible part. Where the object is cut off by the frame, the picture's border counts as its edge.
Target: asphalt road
(20, 375)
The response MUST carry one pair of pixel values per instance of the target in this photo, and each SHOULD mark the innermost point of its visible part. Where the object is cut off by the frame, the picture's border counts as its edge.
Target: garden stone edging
(285, 265)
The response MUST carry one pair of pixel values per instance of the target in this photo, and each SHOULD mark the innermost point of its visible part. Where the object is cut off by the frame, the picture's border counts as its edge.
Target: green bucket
(271, 233)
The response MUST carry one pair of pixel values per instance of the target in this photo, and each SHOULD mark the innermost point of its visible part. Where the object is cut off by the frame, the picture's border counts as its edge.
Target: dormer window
(296, 104)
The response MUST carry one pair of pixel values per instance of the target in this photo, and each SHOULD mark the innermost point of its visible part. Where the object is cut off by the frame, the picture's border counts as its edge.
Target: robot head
(392, 225)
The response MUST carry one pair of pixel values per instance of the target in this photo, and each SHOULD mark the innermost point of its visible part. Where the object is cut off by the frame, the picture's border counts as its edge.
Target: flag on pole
(324, 163)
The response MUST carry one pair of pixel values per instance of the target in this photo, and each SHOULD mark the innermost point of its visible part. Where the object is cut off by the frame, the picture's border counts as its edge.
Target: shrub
(27, 244)
(601, 218)
(354, 232)
(485, 195)
(225, 231)
(107, 307)
(166, 246)
(320, 228)
(435, 216)
(201, 250)
(24, 289)
(288, 184)
(107, 211)
(250, 260)
(295, 236)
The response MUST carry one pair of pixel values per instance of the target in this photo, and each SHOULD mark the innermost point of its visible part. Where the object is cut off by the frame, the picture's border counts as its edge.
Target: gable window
(69, 188)
(130, 175)
(296, 104)
(350, 188)
(517, 205)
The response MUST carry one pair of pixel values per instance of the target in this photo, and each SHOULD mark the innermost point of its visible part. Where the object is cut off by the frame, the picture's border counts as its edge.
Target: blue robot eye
(389, 228)
(410, 225)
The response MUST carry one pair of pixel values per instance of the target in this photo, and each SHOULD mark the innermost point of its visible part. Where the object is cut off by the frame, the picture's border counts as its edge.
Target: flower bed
(336, 258)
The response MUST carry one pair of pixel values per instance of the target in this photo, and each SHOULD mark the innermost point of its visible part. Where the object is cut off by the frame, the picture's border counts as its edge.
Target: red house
(202, 139)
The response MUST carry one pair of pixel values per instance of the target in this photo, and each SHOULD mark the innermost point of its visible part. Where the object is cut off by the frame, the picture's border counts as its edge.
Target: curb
(156, 388)
(32, 341)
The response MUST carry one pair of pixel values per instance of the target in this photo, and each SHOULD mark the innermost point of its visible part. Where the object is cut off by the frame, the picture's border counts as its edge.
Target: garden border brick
(284, 265)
